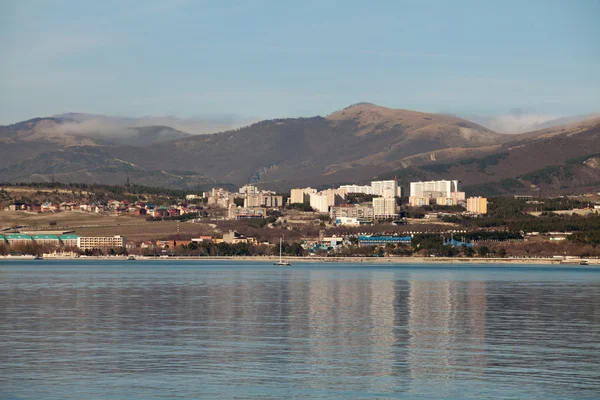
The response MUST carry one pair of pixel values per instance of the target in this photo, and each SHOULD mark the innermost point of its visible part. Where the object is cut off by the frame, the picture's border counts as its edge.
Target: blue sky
(269, 59)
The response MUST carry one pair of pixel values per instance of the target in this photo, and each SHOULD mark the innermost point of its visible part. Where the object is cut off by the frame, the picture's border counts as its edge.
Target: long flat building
(100, 242)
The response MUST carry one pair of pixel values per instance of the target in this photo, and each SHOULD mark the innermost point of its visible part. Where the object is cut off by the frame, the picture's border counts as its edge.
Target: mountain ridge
(354, 144)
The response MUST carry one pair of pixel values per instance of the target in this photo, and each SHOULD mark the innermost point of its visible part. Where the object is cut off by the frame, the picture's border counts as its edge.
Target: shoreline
(335, 260)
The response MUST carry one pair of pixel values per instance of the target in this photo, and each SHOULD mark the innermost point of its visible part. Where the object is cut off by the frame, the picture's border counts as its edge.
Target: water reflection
(318, 332)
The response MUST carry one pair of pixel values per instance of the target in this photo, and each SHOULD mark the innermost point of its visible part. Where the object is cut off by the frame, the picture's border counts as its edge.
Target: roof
(67, 237)
(10, 236)
(45, 237)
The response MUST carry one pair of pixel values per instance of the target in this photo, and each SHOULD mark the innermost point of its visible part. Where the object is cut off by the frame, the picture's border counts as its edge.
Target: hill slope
(355, 144)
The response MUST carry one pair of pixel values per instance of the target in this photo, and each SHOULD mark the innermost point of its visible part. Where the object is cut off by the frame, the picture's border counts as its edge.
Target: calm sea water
(186, 330)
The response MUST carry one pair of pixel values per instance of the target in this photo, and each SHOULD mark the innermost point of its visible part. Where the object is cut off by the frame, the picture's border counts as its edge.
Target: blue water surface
(237, 330)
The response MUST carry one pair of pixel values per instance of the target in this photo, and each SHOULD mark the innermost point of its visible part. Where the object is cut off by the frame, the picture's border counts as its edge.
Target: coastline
(348, 260)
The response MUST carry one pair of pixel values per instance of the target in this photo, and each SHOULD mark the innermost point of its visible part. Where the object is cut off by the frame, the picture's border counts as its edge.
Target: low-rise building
(234, 237)
(239, 213)
(418, 201)
(362, 211)
(383, 240)
(100, 242)
(17, 238)
(46, 239)
(350, 221)
(201, 239)
(445, 201)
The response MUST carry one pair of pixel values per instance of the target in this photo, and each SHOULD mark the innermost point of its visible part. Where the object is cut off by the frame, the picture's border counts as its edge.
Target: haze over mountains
(355, 144)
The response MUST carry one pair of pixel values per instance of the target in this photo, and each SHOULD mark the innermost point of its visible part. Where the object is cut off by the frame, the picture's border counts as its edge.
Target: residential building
(351, 221)
(46, 239)
(249, 189)
(263, 200)
(172, 244)
(523, 197)
(234, 237)
(362, 211)
(68, 240)
(445, 201)
(238, 213)
(190, 197)
(418, 201)
(321, 201)
(366, 189)
(201, 239)
(17, 238)
(383, 240)
(433, 189)
(386, 188)
(477, 205)
(301, 195)
(384, 207)
(100, 242)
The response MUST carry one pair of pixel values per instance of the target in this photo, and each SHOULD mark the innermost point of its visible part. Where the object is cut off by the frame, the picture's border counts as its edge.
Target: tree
(483, 251)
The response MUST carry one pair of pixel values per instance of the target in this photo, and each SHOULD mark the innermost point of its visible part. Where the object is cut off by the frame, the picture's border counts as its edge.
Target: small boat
(38, 258)
(131, 258)
(281, 263)
(584, 262)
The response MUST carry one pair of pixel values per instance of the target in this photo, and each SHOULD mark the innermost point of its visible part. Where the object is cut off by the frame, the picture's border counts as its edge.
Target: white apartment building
(301, 195)
(384, 207)
(319, 202)
(433, 189)
(366, 189)
(101, 242)
(249, 189)
(386, 188)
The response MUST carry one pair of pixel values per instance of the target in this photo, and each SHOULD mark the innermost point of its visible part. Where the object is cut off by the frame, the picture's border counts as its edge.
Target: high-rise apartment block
(433, 189)
(301, 195)
(357, 189)
(384, 207)
(386, 188)
(477, 205)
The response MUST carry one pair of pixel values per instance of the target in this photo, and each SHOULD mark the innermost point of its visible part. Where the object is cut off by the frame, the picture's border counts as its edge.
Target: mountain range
(355, 144)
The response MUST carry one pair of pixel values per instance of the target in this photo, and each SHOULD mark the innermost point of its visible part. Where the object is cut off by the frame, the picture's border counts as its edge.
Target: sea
(251, 330)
